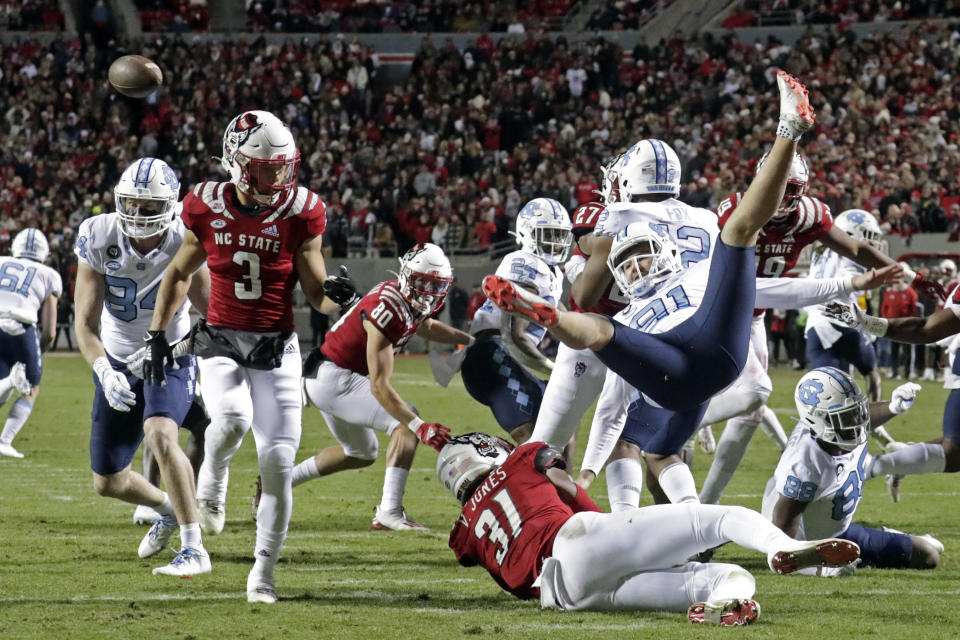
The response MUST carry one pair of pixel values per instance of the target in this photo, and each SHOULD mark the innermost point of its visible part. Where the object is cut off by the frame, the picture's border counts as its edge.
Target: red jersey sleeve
(387, 316)
(585, 218)
(315, 215)
(726, 207)
(192, 210)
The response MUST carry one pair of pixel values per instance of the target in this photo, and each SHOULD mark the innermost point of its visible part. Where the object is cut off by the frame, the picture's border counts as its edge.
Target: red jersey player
(259, 234)
(540, 535)
(799, 221)
(348, 379)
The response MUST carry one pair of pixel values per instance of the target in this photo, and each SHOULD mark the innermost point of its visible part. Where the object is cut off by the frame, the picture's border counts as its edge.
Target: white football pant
(575, 381)
(627, 560)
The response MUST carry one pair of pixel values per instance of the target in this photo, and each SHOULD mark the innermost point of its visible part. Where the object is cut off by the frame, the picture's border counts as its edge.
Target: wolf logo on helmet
(261, 157)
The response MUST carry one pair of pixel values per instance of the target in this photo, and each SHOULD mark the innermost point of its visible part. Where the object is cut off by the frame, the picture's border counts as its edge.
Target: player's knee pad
(276, 463)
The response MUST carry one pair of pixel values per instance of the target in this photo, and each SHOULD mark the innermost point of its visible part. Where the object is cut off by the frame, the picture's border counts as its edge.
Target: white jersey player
(28, 294)
(818, 483)
(496, 368)
(122, 257)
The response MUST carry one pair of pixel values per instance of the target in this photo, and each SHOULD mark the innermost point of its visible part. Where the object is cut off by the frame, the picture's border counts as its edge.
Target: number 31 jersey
(346, 342)
(251, 257)
(132, 282)
(831, 485)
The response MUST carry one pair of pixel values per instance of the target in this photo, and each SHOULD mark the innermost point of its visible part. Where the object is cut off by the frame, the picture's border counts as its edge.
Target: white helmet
(649, 167)
(544, 230)
(948, 268)
(261, 156)
(610, 183)
(425, 275)
(154, 186)
(467, 458)
(860, 225)
(834, 407)
(636, 242)
(797, 182)
(30, 244)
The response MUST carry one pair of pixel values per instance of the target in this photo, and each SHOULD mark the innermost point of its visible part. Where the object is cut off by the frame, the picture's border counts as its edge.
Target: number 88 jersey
(251, 255)
(346, 342)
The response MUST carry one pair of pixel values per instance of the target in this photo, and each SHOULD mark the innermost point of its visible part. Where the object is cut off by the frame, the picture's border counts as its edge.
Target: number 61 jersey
(251, 257)
(132, 282)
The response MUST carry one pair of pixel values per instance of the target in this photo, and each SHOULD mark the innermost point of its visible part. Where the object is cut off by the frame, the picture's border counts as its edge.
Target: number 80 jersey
(132, 282)
(251, 257)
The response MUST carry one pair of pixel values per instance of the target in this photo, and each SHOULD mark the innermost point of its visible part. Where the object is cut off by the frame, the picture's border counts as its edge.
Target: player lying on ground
(818, 483)
(28, 295)
(348, 380)
(540, 535)
(121, 260)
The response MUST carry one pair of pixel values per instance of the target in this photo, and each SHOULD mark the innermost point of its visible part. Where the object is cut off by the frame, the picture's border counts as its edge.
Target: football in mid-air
(135, 76)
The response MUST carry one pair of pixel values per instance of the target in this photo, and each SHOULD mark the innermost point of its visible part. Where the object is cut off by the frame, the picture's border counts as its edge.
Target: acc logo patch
(809, 392)
(219, 223)
(113, 251)
(112, 265)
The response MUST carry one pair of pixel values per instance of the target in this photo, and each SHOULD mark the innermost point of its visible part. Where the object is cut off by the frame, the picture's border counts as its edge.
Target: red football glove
(434, 434)
(929, 288)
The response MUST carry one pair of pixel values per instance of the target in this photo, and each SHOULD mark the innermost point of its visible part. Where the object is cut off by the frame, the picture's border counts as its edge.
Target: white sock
(772, 427)
(677, 483)
(306, 470)
(165, 508)
(624, 481)
(922, 457)
(394, 484)
(190, 537)
(15, 420)
(733, 443)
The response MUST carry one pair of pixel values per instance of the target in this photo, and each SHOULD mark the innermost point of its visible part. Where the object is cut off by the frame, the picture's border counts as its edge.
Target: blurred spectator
(899, 301)
(458, 302)
(476, 300)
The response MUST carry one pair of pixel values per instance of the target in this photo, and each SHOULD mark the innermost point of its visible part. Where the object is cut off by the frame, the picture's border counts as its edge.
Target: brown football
(135, 76)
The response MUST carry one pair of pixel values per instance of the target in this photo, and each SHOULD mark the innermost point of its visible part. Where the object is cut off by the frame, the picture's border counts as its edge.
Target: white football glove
(708, 444)
(903, 396)
(135, 362)
(11, 327)
(116, 389)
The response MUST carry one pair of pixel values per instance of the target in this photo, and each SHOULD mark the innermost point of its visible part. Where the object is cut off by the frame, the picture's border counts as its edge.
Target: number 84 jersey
(132, 282)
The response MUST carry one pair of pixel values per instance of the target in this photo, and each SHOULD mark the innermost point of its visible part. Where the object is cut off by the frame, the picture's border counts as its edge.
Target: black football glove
(158, 355)
(341, 289)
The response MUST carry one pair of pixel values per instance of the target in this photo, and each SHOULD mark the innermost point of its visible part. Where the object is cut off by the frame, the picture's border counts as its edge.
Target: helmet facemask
(261, 157)
(267, 181)
(845, 427)
(425, 292)
(143, 217)
(640, 262)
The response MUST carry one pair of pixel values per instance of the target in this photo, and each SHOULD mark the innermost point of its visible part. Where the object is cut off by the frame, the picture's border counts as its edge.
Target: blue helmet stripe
(661, 157)
(31, 240)
(840, 377)
(143, 172)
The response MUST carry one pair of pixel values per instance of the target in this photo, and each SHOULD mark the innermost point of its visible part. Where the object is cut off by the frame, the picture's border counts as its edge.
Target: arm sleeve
(609, 419)
(794, 293)
(582, 502)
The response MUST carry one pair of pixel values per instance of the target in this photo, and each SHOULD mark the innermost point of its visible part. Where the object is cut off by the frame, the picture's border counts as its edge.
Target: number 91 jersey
(251, 257)
(132, 282)
(346, 342)
(831, 485)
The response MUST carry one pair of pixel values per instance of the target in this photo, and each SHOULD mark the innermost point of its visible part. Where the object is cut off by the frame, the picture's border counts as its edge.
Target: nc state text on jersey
(248, 241)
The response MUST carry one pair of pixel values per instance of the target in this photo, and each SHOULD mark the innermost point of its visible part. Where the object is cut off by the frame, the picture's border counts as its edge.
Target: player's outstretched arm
(48, 318)
(431, 329)
(589, 286)
(901, 400)
(88, 295)
(937, 326)
(312, 271)
(380, 367)
(761, 200)
(176, 281)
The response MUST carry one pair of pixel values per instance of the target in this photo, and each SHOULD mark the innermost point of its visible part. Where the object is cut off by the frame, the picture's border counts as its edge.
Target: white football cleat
(260, 589)
(158, 537)
(211, 515)
(726, 613)
(830, 552)
(796, 114)
(708, 444)
(187, 563)
(383, 520)
(144, 515)
(18, 377)
(9, 451)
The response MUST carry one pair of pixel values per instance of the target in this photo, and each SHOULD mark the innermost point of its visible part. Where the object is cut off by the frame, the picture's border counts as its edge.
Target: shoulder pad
(548, 457)
(210, 194)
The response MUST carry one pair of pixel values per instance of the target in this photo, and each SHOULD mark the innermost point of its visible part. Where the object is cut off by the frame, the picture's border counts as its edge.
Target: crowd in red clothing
(843, 12)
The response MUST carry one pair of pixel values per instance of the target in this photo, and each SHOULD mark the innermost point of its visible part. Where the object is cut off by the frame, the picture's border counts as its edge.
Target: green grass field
(69, 566)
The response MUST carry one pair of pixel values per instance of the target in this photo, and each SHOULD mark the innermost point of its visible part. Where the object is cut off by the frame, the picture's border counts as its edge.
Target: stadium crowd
(452, 153)
(780, 12)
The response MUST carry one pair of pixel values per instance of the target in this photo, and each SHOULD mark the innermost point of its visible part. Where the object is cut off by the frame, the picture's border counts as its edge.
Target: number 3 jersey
(251, 257)
(24, 286)
(831, 485)
(509, 523)
(346, 342)
(527, 270)
(132, 282)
